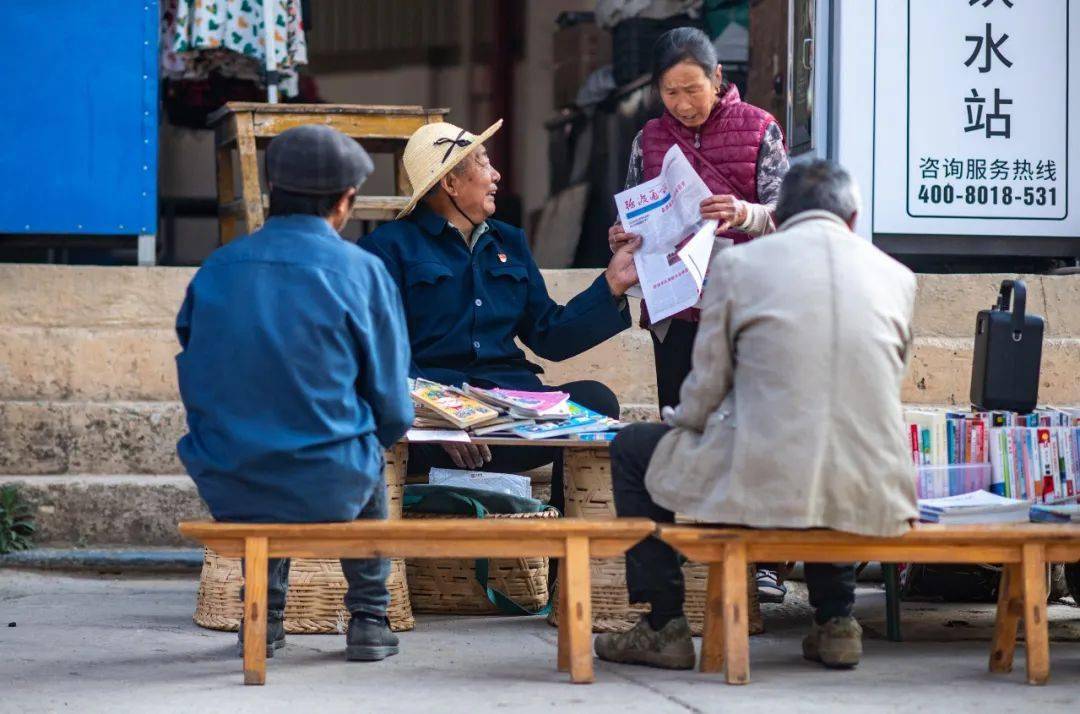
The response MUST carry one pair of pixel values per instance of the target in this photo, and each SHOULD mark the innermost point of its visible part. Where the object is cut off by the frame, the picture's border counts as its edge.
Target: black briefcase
(1008, 353)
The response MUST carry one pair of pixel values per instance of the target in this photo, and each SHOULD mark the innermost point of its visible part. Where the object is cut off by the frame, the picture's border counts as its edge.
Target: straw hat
(432, 151)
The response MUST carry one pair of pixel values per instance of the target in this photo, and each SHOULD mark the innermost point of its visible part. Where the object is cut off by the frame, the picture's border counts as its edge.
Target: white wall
(853, 99)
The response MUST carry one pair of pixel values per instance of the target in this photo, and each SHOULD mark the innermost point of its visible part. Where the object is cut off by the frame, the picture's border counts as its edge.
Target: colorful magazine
(522, 403)
(581, 421)
(460, 410)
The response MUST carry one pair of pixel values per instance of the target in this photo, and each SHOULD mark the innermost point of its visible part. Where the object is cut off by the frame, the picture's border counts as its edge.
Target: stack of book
(505, 412)
(1033, 456)
(1040, 464)
(972, 508)
(442, 407)
(1041, 513)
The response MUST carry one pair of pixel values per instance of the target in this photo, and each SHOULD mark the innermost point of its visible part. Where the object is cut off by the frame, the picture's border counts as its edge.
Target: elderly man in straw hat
(470, 288)
(293, 370)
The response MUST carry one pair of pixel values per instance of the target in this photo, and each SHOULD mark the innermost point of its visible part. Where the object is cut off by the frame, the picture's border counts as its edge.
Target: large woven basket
(449, 586)
(316, 585)
(589, 495)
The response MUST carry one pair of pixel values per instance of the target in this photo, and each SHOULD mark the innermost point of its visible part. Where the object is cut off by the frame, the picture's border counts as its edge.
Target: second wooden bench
(1024, 549)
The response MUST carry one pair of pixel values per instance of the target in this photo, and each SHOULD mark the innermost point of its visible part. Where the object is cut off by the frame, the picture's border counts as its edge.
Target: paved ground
(128, 644)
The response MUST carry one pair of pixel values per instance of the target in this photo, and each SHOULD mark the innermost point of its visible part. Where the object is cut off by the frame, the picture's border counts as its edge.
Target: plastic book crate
(952, 479)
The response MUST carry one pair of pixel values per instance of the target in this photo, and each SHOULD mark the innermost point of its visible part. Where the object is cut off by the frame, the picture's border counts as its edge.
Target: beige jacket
(791, 416)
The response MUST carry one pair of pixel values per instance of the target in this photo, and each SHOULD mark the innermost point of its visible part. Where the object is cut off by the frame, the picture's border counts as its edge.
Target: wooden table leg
(1009, 607)
(1036, 629)
(735, 616)
(226, 190)
(712, 636)
(255, 601)
(564, 619)
(578, 610)
(250, 187)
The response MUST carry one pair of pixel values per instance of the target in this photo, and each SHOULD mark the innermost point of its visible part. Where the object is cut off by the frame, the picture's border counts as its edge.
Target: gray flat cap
(316, 159)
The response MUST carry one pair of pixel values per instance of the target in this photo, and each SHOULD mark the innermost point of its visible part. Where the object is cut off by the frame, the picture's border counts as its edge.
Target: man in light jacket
(790, 417)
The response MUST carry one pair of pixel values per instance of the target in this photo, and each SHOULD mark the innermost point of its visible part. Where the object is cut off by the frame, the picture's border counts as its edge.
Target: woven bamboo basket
(589, 495)
(316, 585)
(448, 585)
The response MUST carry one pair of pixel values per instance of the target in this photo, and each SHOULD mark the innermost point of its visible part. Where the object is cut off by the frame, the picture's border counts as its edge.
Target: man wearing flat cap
(471, 288)
(293, 370)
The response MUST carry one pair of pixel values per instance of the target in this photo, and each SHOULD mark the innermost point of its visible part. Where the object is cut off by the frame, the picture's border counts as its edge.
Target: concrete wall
(89, 410)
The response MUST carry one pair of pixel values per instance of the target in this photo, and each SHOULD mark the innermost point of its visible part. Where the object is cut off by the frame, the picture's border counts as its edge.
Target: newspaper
(676, 243)
(510, 484)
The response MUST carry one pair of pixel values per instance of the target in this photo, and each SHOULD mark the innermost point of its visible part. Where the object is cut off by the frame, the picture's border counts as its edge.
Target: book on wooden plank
(500, 426)
(459, 409)
(525, 404)
(583, 421)
(1042, 513)
(973, 508)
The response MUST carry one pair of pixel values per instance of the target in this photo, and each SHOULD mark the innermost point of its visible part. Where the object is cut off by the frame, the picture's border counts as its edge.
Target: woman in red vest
(738, 150)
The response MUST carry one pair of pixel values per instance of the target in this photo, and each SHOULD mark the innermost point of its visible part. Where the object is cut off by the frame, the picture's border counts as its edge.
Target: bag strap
(481, 566)
(1017, 290)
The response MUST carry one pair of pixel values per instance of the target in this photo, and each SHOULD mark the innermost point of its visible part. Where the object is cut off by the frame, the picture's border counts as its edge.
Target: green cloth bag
(477, 503)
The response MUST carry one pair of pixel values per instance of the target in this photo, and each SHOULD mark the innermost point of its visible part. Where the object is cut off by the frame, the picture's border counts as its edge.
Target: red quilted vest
(723, 150)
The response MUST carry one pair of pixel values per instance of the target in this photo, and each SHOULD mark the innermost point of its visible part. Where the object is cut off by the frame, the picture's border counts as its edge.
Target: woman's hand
(726, 209)
(467, 456)
(617, 237)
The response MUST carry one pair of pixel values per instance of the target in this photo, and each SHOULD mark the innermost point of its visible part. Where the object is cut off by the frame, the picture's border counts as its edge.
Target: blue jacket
(465, 308)
(293, 372)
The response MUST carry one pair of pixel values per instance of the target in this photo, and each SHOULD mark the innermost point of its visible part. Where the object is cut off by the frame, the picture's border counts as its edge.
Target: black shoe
(369, 639)
(275, 637)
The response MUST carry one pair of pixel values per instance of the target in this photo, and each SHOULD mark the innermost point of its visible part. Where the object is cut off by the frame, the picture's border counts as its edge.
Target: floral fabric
(227, 37)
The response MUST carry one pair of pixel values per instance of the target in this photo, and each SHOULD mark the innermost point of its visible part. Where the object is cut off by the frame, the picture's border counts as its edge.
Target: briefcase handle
(1017, 291)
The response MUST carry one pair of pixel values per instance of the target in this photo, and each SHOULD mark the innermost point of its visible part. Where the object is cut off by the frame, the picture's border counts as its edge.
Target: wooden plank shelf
(243, 128)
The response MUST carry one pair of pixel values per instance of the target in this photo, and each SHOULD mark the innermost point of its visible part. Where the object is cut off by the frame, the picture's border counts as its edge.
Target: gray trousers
(366, 577)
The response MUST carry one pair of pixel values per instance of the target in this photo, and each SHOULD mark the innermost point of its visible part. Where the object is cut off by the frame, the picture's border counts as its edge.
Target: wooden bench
(570, 539)
(1024, 549)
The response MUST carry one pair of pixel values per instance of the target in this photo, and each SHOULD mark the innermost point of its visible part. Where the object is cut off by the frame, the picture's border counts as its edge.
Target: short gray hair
(817, 185)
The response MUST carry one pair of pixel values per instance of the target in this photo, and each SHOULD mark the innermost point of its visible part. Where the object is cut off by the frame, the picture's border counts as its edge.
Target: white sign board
(972, 107)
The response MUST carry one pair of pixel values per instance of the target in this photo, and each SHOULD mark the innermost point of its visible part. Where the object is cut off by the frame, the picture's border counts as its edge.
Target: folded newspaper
(676, 243)
(511, 484)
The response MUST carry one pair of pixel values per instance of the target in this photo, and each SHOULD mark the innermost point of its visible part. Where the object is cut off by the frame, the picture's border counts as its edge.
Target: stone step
(117, 365)
(52, 437)
(96, 510)
(107, 560)
(114, 435)
(128, 297)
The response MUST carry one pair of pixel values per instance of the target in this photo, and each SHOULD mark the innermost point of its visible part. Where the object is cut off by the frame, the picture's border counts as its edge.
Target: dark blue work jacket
(293, 370)
(465, 307)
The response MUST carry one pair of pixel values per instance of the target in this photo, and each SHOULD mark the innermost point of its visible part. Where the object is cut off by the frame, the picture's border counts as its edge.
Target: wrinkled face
(688, 93)
(475, 186)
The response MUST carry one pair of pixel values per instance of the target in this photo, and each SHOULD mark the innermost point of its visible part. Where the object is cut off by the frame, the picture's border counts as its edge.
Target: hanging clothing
(227, 37)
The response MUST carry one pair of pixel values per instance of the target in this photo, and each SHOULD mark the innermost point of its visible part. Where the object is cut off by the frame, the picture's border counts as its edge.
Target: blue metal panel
(79, 117)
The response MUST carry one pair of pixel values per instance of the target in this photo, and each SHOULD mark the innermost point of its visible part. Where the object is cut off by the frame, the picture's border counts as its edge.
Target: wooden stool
(246, 127)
